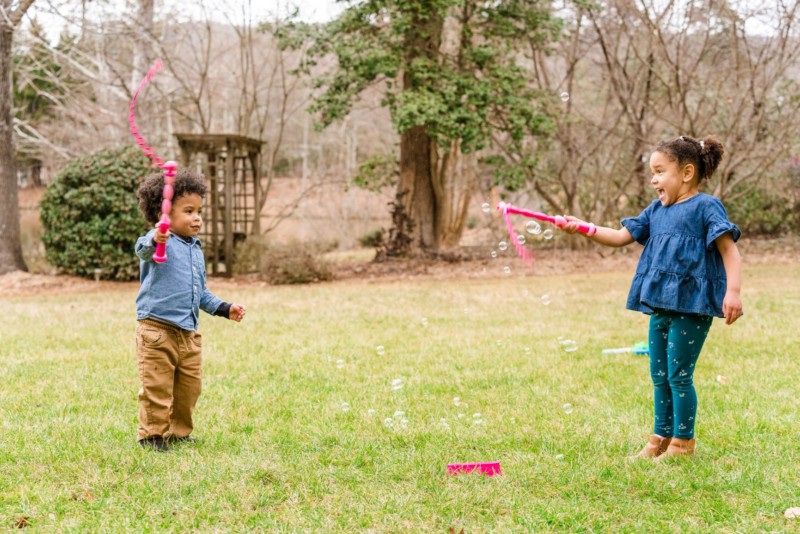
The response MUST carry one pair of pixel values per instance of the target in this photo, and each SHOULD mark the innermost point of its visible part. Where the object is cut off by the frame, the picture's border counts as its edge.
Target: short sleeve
(639, 226)
(717, 223)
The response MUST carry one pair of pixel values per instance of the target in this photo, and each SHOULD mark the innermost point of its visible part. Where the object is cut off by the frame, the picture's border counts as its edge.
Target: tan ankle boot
(655, 447)
(678, 447)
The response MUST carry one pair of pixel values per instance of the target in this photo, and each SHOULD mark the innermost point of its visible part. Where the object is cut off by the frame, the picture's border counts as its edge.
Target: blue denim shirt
(174, 291)
(680, 268)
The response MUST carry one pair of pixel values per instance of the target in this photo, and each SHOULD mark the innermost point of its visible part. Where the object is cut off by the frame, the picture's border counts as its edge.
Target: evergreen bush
(90, 214)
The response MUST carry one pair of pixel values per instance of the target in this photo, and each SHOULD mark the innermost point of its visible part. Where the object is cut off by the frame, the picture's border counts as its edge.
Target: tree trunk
(415, 177)
(454, 178)
(10, 245)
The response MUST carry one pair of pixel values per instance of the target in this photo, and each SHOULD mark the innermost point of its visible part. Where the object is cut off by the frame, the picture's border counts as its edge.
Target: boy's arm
(732, 260)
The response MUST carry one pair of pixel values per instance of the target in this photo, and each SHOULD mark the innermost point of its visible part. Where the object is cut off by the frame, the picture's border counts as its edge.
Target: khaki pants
(170, 370)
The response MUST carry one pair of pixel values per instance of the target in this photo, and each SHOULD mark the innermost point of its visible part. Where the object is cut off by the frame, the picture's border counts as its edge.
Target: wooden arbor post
(231, 165)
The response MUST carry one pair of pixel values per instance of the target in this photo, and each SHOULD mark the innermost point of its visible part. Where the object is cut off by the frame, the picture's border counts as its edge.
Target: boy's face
(185, 215)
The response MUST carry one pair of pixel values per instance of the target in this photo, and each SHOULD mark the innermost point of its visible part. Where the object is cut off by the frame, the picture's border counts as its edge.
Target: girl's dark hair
(151, 191)
(704, 154)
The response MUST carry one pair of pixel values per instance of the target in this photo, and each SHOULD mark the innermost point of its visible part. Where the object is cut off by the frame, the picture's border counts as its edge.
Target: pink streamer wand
(170, 168)
(558, 221)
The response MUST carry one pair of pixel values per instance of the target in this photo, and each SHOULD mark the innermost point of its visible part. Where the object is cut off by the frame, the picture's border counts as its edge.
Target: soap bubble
(388, 422)
(424, 321)
(548, 234)
(564, 96)
(567, 408)
(533, 228)
(397, 384)
(456, 400)
(371, 412)
(559, 456)
(569, 345)
(485, 207)
(380, 350)
(345, 407)
(507, 269)
(521, 239)
(502, 245)
(546, 300)
(494, 254)
(339, 364)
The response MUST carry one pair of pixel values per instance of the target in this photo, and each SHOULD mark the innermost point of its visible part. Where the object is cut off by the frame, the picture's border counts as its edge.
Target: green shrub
(90, 214)
(372, 239)
(765, 213)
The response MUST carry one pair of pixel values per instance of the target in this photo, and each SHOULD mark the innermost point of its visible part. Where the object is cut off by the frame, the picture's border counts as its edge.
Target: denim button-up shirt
(174, 291)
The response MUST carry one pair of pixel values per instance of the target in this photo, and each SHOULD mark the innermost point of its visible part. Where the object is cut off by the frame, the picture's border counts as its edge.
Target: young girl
(688, 273)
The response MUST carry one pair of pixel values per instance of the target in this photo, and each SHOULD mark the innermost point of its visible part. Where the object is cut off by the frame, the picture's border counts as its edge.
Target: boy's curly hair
(151, 191)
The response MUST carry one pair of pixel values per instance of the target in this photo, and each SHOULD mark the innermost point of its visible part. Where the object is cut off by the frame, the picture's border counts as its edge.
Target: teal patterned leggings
(675, 343)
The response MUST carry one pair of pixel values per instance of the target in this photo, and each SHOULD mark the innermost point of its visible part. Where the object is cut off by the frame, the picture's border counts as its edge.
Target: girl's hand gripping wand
(169, 167)
(558, 221)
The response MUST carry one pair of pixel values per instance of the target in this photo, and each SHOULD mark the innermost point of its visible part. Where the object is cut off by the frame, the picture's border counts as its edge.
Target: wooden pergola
(231, 165)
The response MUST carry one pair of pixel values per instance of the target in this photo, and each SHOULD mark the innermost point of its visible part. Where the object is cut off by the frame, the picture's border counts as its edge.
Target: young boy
(168, 346)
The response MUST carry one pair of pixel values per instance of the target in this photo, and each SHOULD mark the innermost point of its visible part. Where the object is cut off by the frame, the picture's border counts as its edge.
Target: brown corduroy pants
(170, 369)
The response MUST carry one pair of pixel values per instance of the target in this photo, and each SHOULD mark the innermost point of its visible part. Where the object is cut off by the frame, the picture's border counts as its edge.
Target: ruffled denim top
(680, 268)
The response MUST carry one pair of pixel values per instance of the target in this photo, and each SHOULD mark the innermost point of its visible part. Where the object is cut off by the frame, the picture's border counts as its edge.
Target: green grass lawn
(308, 426)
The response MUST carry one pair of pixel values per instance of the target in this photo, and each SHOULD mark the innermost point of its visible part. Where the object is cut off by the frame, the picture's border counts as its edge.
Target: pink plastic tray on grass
(489, 469)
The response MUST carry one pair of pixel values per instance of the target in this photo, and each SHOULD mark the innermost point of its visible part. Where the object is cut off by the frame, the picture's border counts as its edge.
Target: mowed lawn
(337, 407)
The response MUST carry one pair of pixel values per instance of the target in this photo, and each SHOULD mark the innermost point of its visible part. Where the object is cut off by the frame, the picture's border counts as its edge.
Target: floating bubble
(548, 234)
(404, 422)
(564, 96)
(397, 384)
(533, 228)
(456, 400)
(476, 415)
(527, 350)
(424, 321)
(567, 408)
(388, 421)
(380, 350)
(477, 421)
(721, 379)
(569, 345)
(399, 413)
(485, 207)
(546, 300)
(345, 407)
(371, 412)
(502, 245)
(521, 239)
(559, 456)
(444, 423)
(339, 364)
(507, 269)
(494, 254)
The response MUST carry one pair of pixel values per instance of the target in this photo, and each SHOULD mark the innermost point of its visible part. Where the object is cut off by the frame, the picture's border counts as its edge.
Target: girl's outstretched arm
(732, 303)
(609, 237)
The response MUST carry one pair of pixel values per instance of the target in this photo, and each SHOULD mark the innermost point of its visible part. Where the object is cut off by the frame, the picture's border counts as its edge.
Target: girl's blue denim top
(680, 268)
(173, 291)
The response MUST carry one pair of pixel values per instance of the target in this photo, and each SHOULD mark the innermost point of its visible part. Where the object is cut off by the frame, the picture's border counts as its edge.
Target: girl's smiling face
(672, 183)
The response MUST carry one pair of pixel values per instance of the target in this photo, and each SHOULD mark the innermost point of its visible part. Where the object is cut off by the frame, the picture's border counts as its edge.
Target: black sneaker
(183, 439)
(156, 443)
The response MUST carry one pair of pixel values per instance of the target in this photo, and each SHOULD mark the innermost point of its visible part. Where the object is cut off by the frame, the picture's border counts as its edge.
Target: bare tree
(11, 13)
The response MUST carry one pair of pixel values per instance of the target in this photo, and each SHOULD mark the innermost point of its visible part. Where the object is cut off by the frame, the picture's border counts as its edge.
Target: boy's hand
(158, 237)
(236, 313)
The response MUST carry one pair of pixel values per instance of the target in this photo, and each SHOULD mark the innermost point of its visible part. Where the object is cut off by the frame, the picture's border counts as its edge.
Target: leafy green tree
(453, 78)
(90, 214)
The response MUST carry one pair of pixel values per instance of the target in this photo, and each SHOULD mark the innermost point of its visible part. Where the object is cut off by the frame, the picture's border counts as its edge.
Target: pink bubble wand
(170, 168)
(558, 221)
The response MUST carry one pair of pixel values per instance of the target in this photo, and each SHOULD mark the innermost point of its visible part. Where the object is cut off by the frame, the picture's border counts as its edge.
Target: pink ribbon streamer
(168, 167)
